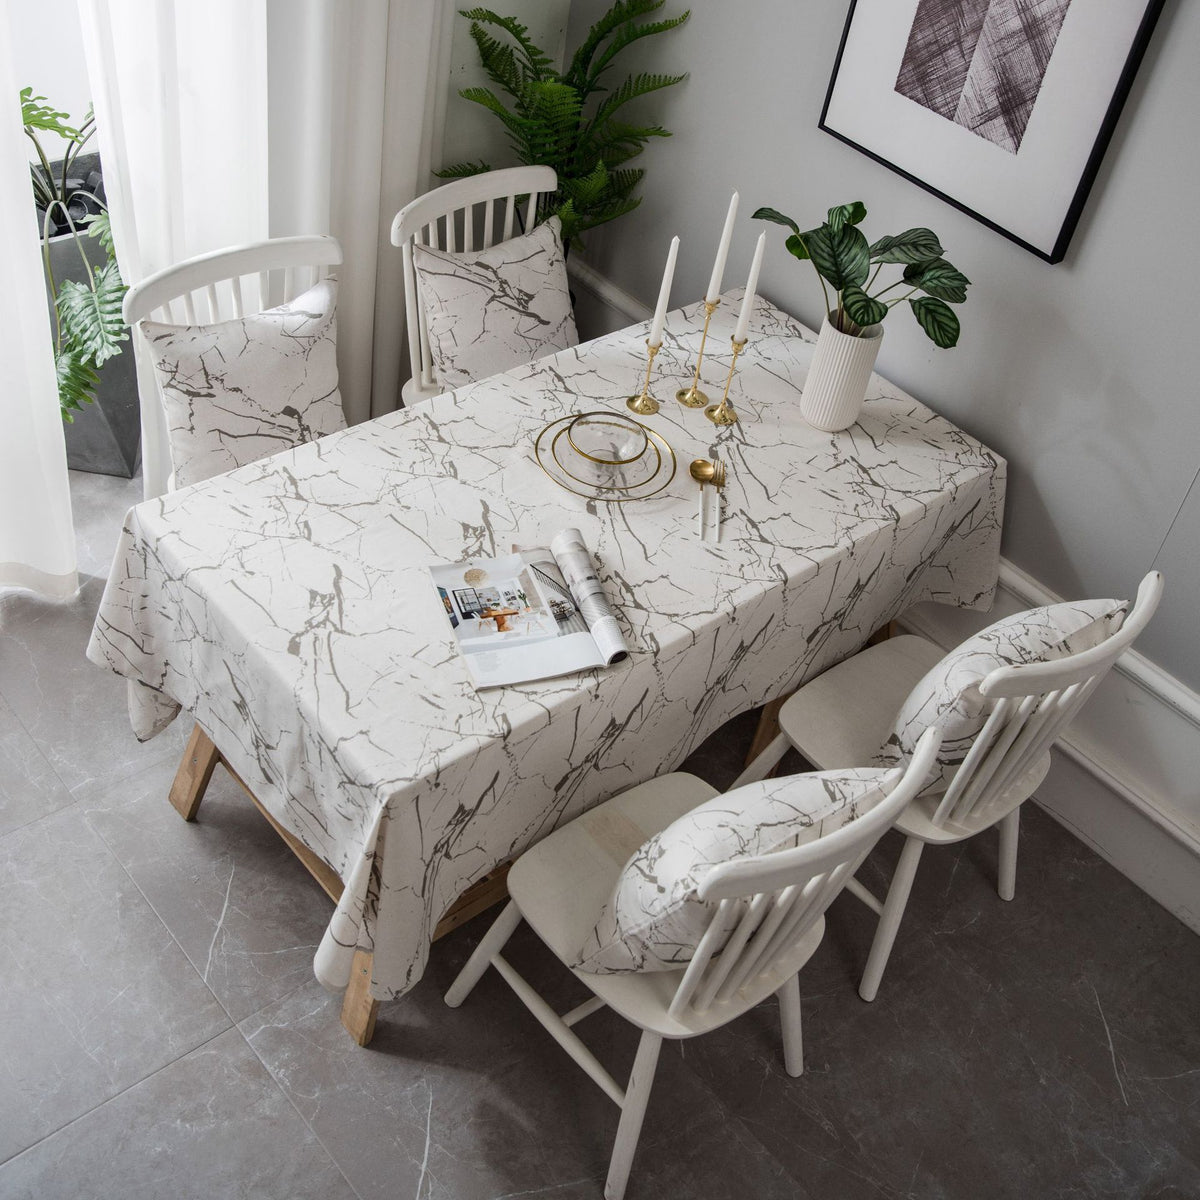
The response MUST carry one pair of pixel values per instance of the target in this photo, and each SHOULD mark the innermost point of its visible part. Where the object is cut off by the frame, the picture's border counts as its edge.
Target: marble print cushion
(948, 696)
(490, 310)
(237, 391)
(654, 919)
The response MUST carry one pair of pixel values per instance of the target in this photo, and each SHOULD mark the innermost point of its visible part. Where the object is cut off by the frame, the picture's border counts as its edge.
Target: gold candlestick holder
(645, 404)
(693, 397)
(723, 414)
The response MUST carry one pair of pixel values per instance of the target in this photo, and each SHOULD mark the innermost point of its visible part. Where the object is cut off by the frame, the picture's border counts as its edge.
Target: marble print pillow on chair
(655, 919)
(948, 697)
(490, 310)
(237, 391)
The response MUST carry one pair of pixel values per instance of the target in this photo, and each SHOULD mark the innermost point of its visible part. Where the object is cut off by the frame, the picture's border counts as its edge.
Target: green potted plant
(85, 292)
(852, 328)
(574, 120)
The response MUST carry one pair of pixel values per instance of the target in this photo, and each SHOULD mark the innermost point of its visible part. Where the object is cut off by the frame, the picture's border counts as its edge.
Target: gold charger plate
(544, 451)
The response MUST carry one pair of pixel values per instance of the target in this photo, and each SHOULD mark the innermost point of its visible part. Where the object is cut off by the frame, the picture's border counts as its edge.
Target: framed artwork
(1002, 108)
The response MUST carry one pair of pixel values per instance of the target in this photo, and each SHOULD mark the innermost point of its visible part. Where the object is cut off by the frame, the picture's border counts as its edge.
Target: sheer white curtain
(37, 541)
(234, 120)
(352, 90)
(180, 93)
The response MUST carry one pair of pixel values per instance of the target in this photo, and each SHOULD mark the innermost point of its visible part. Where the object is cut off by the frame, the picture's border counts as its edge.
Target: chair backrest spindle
(421, 222)
(769, 902)
(1029, 706)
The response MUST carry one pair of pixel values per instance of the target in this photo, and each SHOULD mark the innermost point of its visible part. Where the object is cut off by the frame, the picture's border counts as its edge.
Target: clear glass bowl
(607, 440)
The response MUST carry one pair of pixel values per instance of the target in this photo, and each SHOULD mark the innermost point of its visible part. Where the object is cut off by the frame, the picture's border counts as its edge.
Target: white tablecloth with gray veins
(287, 607)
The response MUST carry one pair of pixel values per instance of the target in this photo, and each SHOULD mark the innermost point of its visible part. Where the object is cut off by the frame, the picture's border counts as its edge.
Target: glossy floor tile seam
(33, 772)
(275, 1083)
(234, 1019)
(136, 1083)
(230, 1022)
(212, 1124)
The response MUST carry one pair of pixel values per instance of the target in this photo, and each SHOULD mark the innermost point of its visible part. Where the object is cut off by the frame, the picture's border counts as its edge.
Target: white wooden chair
(446, 219)
(227, 284)
(773, 904)
(842, 718)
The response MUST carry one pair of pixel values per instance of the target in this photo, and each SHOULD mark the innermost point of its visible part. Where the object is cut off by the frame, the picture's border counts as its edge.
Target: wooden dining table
(286, 606)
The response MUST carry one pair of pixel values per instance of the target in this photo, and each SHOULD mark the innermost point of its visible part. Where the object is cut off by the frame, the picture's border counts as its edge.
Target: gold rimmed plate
(605, 477)
(650, 474)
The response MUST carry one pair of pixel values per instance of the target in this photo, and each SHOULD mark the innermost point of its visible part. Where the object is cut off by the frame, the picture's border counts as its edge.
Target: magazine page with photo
(532, 614)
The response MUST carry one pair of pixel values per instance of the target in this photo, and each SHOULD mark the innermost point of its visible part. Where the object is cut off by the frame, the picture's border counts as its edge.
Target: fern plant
(88, 325)
(572, 121)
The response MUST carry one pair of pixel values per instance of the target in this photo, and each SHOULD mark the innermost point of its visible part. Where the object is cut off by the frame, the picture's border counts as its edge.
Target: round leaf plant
(843, 260)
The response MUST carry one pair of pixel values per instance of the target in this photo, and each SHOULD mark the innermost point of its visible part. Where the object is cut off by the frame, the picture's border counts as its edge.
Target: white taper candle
(718, 271)
(743, 324)
(664, 294)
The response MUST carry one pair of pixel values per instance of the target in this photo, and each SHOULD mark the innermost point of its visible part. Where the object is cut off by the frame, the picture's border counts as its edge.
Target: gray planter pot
(105, 438)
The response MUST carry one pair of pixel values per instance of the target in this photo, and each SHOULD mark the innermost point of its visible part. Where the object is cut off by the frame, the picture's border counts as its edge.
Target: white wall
(1079, 373)
(47, 48)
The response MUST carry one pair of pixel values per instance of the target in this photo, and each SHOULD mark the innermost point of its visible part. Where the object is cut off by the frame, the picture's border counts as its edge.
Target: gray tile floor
(161, 1034)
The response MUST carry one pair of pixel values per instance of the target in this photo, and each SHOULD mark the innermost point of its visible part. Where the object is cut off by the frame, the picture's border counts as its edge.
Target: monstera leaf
(91, 316)
(98, 227)
(77, 381)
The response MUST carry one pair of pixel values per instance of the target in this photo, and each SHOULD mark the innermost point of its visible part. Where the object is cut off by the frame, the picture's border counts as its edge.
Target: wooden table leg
(195, 770)
(359, 1008)
(768, 728)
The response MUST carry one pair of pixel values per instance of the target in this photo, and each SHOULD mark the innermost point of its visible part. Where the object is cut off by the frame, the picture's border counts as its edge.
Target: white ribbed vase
(837, 380)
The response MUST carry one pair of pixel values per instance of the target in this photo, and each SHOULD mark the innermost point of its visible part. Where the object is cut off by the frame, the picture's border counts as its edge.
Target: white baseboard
(623, 305)
(1125, 775)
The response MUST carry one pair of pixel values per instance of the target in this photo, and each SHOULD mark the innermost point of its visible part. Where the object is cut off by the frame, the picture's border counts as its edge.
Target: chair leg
(761, 766)
(637, 1093)
(1010, 830)
(789, 1019)
(889, 921)
(493, 941)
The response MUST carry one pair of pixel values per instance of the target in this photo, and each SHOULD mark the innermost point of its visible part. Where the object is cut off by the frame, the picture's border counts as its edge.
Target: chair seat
(561, 884)
(841, 718)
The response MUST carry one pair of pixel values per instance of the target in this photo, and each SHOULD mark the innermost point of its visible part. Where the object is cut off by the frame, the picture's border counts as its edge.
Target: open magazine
(530, 615)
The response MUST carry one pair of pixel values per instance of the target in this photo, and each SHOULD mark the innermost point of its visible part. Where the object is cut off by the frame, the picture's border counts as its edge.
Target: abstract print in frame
(1002, 108)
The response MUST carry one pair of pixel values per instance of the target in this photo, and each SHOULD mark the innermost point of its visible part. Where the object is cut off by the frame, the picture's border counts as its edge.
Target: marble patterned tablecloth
(286, 605)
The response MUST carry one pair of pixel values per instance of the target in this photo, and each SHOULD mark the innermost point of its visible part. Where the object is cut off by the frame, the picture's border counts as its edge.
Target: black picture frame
(1071, 202)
